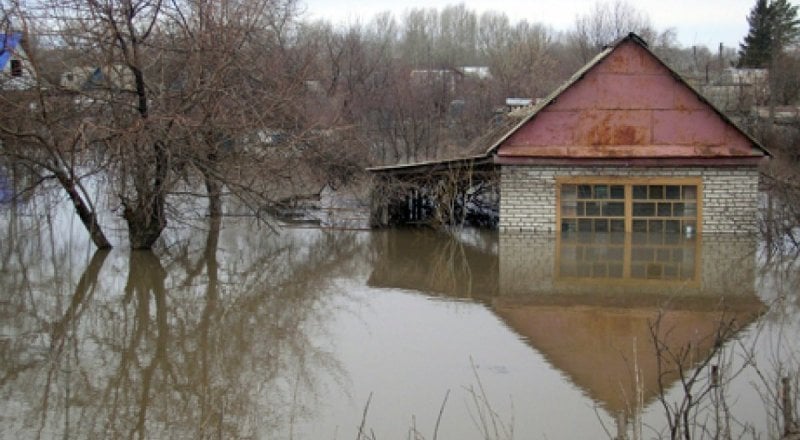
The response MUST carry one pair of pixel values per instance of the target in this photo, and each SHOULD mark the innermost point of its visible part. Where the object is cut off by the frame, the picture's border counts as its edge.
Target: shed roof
(624, 104)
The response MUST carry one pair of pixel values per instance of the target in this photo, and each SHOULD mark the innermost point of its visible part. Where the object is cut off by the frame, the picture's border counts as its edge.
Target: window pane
(581, 209)
(584, 191)
(639, 192)
(617, 192)
(656, 225)
(601, 225)
(691, 210)
(569, 209)
(584, 225)
(644, 209)
(601, 191)
(592, 208)
(673, 226)
(569, 225)
(673, 192)
(689, 192)
(664, 209)
(568, 191)
(617, 226)
(640, 226)
(656, 192)
(678, 210)
(614, 209)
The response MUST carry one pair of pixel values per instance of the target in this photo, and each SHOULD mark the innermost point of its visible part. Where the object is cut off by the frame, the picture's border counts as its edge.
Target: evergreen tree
(773, 26)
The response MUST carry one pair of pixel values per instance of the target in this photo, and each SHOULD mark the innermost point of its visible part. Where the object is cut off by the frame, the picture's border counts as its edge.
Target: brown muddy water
(317, 334)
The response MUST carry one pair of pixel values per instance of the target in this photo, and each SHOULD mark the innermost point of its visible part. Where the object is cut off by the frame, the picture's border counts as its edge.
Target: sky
(696, 22)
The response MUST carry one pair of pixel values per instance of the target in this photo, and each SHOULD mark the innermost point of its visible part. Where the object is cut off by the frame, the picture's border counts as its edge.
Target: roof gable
(626, 104)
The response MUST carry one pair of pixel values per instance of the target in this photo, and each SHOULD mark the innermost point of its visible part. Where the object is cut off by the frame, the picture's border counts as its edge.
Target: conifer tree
(773, 26)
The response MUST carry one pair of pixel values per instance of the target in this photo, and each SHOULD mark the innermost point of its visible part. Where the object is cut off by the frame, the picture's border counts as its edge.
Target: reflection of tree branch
(84, 290)
(209, 311)
(145, 278)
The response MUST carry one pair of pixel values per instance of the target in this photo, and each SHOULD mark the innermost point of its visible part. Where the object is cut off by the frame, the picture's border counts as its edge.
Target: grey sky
(701, 22)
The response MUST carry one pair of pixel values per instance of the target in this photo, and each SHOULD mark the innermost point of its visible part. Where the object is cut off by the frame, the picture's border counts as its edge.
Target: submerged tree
(169, 97)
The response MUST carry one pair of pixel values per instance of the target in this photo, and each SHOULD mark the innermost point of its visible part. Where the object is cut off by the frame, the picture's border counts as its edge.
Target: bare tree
(605, 23)
(181, 94)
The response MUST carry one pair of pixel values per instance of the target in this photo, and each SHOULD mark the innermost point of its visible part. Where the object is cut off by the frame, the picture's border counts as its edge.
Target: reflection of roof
(599, 347)
(8, 44)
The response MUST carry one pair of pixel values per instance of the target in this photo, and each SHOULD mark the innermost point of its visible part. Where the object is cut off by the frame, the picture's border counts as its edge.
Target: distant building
(92, 78)
(738, 90)
(478, 72)
(15, 68)
(516, 103)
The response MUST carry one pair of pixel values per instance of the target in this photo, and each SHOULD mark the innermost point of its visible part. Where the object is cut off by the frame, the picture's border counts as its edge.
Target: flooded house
(625, 145)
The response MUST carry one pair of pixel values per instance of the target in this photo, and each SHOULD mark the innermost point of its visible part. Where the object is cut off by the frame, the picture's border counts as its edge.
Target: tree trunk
(214, 192)
(88, 216)
(146, 217)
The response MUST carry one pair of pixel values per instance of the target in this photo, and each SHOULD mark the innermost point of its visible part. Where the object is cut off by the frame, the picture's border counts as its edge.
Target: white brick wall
(528, 195)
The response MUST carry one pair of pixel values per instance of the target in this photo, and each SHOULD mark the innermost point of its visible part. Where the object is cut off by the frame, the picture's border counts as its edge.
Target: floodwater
(238, 332)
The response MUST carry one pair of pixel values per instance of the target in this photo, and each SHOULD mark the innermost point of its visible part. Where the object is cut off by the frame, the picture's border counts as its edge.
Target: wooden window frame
(628, 183)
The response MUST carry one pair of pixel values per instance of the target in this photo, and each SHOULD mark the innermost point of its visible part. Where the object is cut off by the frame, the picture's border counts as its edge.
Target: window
(612, 204)
(664, 208)
(16, 67)
(592, 207)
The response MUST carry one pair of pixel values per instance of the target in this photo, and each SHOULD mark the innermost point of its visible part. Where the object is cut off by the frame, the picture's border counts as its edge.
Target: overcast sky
(697, 22)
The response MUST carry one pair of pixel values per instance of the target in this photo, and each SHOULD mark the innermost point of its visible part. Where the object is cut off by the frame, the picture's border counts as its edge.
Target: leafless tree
(606, 22)
(182, 93)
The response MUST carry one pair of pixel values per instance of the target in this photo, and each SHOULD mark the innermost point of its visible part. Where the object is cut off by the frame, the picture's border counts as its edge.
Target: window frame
(629, 183)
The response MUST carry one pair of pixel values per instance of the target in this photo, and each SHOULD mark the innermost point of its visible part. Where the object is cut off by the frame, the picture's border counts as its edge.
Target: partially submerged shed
(624, 145)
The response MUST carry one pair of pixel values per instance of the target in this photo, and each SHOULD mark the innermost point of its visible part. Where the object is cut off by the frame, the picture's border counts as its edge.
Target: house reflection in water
(587, 302)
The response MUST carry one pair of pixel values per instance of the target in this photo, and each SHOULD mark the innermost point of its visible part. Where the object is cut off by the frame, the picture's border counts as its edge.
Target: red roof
(627, 104)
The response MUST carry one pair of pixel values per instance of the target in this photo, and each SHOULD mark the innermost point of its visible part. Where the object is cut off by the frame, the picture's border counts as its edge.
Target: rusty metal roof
(583, 71)
(511, 125)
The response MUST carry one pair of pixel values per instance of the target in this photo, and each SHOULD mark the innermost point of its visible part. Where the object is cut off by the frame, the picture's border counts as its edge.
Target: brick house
(624, 145)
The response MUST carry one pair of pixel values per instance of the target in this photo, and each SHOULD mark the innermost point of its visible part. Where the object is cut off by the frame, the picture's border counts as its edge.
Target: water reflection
(208, 339)
(231, 332)
(589, 303)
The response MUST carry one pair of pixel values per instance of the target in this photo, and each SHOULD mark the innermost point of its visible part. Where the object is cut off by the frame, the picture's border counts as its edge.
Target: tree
(185, 95)
(773, 26)
(605, 23)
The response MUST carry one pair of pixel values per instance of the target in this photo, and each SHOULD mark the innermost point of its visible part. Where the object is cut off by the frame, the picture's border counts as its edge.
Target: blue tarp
(8, 44)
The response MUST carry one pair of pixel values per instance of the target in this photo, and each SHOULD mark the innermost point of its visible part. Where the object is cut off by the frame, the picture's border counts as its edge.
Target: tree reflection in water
(231, 332)
(208, 339)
